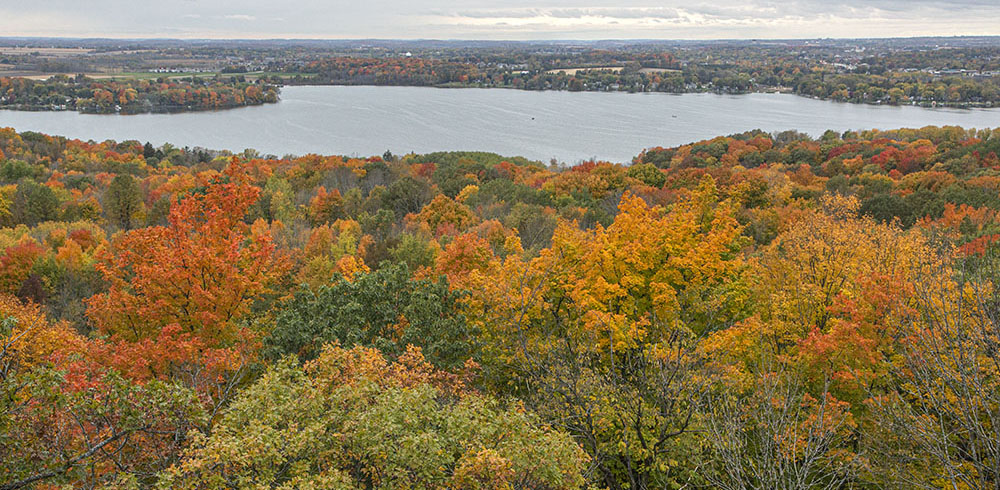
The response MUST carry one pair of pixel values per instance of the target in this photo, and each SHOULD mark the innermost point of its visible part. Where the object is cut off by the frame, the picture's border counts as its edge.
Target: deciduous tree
(201, 272)
(351, 419)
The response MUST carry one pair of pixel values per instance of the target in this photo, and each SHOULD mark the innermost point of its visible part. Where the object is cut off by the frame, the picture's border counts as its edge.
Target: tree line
(872, 80)
(130, 96)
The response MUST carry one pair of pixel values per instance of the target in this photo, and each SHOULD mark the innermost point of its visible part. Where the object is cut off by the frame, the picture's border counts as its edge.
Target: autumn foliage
(752, 311)
(200, 272)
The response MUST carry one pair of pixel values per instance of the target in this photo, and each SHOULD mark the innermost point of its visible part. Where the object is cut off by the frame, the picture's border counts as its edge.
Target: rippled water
(539, 125)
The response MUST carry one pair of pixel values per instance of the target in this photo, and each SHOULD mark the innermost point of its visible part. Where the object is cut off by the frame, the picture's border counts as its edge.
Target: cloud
(729, 19)
(571, 13)
(508, 19)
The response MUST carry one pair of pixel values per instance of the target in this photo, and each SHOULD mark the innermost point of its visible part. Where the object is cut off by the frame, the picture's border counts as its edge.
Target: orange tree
(202, 271)
(177, 294)
(68, 420)
(937, 425)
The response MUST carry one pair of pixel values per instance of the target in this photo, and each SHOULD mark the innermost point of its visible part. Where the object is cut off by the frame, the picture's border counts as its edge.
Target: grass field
(10, 71)
(49, 52)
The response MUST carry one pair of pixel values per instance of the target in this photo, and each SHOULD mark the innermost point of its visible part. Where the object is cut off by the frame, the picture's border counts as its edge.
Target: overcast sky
(516, 19)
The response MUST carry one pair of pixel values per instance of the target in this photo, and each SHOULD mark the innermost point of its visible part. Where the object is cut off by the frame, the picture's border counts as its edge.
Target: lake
(539, 125)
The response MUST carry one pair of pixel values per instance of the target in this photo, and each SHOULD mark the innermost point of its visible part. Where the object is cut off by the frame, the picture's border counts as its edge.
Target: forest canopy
(750, 311)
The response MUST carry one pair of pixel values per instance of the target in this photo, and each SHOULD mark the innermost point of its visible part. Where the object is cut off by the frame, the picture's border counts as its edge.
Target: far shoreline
(767, 91)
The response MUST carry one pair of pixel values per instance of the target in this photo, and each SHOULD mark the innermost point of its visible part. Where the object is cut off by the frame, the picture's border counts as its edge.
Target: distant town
(953, 71)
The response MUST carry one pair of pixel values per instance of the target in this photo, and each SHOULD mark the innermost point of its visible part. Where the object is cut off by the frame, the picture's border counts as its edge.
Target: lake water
(538, 125)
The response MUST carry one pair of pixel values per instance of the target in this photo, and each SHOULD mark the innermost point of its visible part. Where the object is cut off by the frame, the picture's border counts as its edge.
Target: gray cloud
(512, 19)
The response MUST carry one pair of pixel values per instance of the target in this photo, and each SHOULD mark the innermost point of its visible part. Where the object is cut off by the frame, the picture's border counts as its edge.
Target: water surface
(538, 125)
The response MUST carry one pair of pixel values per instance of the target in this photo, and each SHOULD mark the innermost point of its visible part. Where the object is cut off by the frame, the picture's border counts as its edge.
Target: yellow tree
(938, 422)
(828, 291)
(352, 419)
(831, 292)
(600, 328)
(445, 215)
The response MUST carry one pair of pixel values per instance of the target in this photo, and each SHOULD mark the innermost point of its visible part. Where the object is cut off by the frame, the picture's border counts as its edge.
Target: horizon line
(523, 40)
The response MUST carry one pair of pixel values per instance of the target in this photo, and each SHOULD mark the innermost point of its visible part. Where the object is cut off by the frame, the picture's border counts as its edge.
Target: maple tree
(178, 294)
(201, 272)
(325, 207)
(828, 311)
(442, 215)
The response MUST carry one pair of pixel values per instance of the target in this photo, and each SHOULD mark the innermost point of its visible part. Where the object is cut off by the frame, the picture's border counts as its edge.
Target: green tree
(351, 420)
(648, 174)
(387, 309)
(34, 203)
(122, 201)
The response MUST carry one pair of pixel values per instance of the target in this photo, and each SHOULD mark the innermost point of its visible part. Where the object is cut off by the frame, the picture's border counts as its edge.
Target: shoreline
(766, 90)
